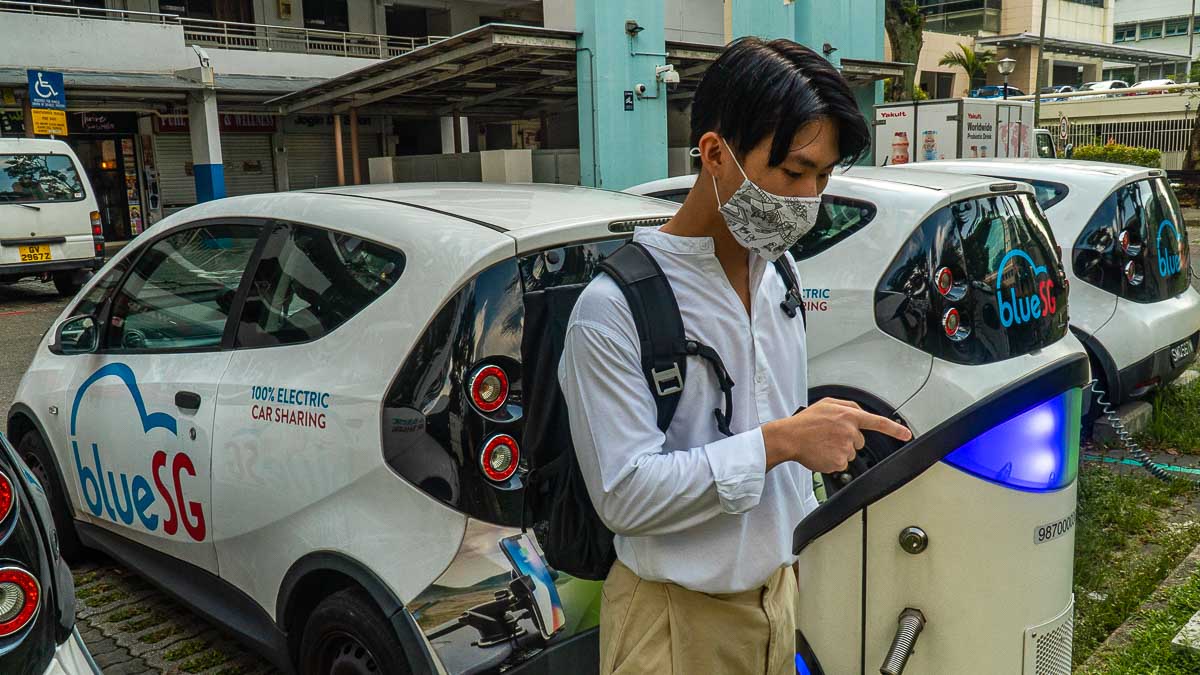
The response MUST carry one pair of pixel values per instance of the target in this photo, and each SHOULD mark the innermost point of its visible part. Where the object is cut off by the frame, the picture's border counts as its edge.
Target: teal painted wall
(768, 19)
(620, 148)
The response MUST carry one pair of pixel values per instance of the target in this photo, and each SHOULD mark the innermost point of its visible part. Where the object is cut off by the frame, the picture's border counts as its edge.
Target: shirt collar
(673, 243)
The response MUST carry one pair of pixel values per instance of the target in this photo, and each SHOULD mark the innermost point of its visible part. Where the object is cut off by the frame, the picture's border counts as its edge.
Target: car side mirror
(1069, 151)
(76, 335)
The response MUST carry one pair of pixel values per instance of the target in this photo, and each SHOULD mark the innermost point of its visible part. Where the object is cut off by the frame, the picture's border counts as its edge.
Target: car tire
(34, 453)
(68, 283)
(347, 634)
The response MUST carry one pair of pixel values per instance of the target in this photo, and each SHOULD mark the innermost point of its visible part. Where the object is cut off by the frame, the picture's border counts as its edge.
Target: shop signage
(103, 122)
(302, 124)
(176, 122)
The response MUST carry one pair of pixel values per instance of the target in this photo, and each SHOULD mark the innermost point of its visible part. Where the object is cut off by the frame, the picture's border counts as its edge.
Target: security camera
(640, 90)
(202, 55)
(668, 76)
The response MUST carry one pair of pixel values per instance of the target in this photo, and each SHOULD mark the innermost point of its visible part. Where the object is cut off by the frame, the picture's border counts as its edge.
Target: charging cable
(1126, 437)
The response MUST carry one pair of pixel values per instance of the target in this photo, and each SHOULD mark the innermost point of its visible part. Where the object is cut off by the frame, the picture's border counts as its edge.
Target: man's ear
(712, 153)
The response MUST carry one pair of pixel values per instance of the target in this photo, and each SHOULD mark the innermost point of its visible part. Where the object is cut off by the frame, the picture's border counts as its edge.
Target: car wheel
(68, 283)
(34, 453)
(348, 635)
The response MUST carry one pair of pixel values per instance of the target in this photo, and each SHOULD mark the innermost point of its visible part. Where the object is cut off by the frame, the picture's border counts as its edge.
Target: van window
(181, 290)
(309, 281)
(839, 218)
(39, 178)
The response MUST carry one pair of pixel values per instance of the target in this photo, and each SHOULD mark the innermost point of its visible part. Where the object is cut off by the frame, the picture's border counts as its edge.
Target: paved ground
(130, 627)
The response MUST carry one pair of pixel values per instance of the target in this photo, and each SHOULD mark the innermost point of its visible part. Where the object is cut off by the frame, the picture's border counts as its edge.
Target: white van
(49, 224)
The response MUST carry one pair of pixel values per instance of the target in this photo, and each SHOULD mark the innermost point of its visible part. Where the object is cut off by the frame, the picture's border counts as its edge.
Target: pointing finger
(868, 422)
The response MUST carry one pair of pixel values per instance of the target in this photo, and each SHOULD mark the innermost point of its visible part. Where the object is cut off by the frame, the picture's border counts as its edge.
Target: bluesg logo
(1169, 262)
(120, 496)
(1018, 310)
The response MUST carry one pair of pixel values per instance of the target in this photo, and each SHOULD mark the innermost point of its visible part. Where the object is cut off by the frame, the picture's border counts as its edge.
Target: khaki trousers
(662, 628)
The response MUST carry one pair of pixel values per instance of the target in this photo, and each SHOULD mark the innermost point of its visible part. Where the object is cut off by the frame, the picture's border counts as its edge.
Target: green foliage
(1194, 73)
(975, 63)
(1115, 153)
(919, 94)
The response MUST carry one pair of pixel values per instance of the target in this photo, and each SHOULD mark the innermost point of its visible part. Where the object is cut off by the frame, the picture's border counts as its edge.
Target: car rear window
(309, 281)
(1046, 192)
(27, 178)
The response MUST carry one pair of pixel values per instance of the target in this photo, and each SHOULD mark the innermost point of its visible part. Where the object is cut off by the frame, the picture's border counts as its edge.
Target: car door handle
(188, 400)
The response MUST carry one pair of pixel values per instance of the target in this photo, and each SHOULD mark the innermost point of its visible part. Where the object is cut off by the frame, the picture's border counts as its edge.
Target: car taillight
(1128, 245)
(489, 388)
(7, 497)
(500, 457)
(97, 234)
(20, 596)
(945, 281)
(952, 323)
(1133, 273)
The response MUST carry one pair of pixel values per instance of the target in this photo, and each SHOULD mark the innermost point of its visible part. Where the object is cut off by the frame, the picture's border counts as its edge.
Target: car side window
(309, 281)
(102, 290)
(181, 290)
(839, 218)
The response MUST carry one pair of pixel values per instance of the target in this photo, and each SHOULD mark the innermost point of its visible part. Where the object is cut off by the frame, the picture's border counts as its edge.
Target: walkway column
(356, 172)
(454, 135)
(622, 137)
(205, 130)
(337, 148)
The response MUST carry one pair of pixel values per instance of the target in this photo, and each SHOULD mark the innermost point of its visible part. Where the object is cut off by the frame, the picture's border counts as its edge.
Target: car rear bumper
(72, 658)
(1156, 370)
(33, 269)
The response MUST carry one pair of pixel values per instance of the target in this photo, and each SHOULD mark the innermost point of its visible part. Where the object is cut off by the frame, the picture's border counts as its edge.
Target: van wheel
(348, 635)
(68, 283)
(34, 453)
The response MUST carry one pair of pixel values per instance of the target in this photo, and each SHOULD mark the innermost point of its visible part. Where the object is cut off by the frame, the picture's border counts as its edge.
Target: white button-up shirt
(691, 506)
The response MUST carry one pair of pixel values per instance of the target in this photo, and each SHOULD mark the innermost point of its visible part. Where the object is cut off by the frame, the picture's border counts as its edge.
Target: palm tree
(975, 63)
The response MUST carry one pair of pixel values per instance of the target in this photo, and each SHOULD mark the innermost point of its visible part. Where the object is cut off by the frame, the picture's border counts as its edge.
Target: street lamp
(1006, 66)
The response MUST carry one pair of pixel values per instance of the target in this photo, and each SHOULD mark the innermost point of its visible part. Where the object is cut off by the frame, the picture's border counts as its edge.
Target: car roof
(38, 145)
(1098, 174)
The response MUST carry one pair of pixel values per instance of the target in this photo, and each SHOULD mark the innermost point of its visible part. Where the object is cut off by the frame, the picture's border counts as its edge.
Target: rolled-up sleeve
(638, 487)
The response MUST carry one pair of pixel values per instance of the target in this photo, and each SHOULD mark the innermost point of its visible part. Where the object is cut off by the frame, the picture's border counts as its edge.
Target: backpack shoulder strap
(659, 324)
(792, 300)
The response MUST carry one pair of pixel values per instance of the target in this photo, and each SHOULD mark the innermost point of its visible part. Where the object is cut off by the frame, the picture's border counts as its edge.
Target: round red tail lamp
(1133, 273)
(7, 497)
(952, 323)
(20, 596)
(500, 457)
(945, 281)
(489, 388)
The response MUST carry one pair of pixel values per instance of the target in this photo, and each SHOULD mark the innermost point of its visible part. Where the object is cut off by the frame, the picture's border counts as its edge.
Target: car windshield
(989, 91)
(1090, 86)
(38, 178)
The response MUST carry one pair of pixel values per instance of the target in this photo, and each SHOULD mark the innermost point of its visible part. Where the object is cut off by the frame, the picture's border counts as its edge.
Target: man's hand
(826, 436)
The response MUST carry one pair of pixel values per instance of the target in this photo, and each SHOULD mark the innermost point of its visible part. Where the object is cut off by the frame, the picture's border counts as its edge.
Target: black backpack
(573, 537)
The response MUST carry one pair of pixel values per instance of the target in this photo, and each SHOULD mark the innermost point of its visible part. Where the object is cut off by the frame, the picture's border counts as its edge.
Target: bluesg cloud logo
(1169, 260)
(1017, 310)
(120, 497)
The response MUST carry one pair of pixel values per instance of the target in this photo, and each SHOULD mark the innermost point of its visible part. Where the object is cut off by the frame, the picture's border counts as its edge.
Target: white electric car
(1128, 262)
(940, 301)
(312, 416)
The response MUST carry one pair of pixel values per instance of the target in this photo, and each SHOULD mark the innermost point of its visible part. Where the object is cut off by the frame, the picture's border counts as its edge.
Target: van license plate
(38, 253)
(1181, 352)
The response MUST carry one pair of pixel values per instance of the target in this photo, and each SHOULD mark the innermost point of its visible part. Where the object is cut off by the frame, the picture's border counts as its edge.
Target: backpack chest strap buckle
(669, 381)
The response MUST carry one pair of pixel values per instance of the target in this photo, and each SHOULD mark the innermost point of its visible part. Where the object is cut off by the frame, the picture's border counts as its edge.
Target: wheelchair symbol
(43, 89)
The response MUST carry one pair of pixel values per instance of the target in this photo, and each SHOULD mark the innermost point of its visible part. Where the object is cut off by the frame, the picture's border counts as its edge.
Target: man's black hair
(758, 88)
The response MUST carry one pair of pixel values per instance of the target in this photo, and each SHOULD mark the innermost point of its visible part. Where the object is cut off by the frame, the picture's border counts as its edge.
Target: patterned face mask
(766, 223)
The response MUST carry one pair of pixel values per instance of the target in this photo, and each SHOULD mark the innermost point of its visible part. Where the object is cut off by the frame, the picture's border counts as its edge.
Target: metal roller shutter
(177, 189)
(249, 166)
(310, 159)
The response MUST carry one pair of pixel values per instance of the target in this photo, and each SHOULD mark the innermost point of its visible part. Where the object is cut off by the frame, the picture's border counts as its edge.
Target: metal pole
(1006, 86)
(1041, 75)
(337, 148)
(1191, 39)
(354, 159)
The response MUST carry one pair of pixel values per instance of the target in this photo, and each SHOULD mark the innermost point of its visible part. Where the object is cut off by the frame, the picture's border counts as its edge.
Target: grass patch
(154, 637)
(185, 650)
(1149, 649)
(85, 578)
(1133, 530)
(106, 598)
(1175, 424)
(203, 661)
(230, 670)
(85, 593)
(144, 622)
(123, 614)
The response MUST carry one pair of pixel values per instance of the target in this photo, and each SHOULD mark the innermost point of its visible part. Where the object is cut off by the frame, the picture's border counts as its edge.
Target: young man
(703, 520)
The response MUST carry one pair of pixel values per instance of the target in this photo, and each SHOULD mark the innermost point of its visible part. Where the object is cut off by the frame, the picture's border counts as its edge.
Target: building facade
(1155, 24)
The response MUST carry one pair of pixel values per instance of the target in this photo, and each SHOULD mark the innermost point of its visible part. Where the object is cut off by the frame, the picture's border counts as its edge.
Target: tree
(975, 63)
(904, 24)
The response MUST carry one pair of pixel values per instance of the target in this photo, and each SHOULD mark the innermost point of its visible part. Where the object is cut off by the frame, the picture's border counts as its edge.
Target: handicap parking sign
(46, 90)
